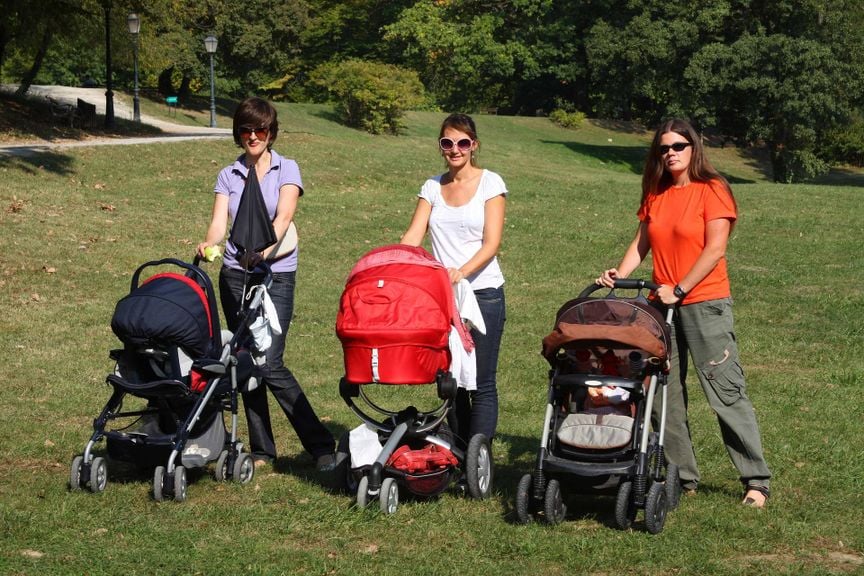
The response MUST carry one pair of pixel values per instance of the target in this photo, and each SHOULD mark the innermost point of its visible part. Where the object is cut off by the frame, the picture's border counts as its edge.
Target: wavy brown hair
(656, 178)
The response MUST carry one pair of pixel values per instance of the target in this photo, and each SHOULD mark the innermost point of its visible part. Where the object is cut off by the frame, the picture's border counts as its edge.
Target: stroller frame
(224, 377)
(645, 480)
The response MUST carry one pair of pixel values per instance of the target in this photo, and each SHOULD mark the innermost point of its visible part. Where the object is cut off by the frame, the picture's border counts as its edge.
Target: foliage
(369, 95)
(567, 119)
(846, 143)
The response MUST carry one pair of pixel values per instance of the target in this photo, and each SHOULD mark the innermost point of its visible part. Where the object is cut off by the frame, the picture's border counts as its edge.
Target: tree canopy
(787, 73)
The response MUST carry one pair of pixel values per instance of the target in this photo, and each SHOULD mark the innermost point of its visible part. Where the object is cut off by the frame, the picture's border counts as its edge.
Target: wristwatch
(678, 292)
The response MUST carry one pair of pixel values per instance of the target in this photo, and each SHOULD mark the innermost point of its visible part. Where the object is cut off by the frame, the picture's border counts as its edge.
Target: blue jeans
(476, 411)
(314, 437)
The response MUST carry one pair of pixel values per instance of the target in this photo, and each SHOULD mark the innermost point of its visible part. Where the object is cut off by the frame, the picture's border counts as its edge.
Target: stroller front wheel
(244, 468)
(625, 511)
(553, 504)
(180, 484)
(673, 486)
(363, 492)
(524, 512)
(655, 508)
(221, 471)
(158, 482)
(389, 496)
(75, 473)
(98, 475)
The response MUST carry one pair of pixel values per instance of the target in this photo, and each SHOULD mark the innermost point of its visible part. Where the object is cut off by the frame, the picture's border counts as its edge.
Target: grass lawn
(76, 224)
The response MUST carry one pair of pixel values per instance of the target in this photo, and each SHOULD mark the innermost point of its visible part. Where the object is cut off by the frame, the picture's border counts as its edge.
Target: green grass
(76, 224)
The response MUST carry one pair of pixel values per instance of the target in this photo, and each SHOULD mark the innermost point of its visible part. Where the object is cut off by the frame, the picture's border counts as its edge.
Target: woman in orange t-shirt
(685, 217)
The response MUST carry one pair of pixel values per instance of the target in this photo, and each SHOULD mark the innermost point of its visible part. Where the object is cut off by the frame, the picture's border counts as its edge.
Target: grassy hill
(77, 223)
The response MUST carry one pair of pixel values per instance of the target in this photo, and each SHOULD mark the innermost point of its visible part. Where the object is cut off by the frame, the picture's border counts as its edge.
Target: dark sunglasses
(677, 147)
(447, 144)
(260, 133)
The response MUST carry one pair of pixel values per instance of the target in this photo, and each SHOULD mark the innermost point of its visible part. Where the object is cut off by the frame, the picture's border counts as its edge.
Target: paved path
(122, 109)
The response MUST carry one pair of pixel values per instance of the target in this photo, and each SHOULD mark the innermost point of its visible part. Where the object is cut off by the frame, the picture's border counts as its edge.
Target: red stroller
(395, 320)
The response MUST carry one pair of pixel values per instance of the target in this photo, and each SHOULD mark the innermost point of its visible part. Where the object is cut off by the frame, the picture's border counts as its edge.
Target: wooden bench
(63, 111)
(86, 114)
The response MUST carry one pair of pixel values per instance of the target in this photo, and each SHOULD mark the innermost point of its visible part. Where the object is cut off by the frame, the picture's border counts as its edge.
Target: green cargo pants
(705, 330)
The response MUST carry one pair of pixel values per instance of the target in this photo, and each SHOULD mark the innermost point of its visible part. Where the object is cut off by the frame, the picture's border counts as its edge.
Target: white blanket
(464, 363)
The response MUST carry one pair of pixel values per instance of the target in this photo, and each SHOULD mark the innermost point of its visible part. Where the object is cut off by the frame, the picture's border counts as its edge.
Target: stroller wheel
(673, 486)
(363, 492)
(553, 504)
(158, 482)
(180, 484)
(221, 471)
(625, 511)
(389, 497)
(244, 468)
(75, 473)
(98, 475)
(524, 504)
(479, 467)
(655, 508)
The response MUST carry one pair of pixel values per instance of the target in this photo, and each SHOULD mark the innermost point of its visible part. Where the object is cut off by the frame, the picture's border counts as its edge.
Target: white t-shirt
(457, 232)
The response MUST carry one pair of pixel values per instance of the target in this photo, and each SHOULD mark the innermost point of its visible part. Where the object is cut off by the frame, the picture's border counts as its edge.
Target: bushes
(567, 119)
(369, 95)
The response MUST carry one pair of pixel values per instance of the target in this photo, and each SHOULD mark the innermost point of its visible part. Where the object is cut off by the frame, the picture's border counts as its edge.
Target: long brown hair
(656, 178)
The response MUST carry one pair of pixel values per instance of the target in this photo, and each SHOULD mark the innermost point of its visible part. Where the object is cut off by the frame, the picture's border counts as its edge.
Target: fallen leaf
(35, 297)
(32, 553)
(371, 549)
(49, 269)
(99, 186)
(106, 207)
(49, 444)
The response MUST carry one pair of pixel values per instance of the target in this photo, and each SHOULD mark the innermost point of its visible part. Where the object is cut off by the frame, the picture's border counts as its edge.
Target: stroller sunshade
(167, 309)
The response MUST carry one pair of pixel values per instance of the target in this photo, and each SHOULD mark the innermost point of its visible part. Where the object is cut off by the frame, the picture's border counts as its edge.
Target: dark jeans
(476, 411)
(314, 437)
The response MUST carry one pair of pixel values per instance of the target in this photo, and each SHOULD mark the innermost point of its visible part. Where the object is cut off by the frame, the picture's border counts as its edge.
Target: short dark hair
(254, 113)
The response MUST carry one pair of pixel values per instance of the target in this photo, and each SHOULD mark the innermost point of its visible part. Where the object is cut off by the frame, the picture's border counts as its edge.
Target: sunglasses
(260, 133)
(677, 147)
(448, 144)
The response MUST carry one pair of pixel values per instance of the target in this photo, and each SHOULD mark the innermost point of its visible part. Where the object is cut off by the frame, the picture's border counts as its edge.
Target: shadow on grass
(631, 157)
(33, 160)
(841, 177)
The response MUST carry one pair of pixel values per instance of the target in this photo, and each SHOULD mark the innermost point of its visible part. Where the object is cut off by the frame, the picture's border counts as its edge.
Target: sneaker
(326, 462)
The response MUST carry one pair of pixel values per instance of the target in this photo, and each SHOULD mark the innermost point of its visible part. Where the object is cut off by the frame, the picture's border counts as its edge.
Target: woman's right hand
(607, 278)
(201, 247)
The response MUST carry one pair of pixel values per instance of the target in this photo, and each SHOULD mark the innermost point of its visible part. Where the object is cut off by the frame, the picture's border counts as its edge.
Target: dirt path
(122, 109)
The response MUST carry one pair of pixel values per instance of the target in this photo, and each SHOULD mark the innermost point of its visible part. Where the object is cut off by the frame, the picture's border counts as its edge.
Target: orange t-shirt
(676, 219)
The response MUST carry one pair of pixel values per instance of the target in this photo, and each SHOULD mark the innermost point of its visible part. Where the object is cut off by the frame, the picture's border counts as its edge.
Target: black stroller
(184, 372)
(608, 359)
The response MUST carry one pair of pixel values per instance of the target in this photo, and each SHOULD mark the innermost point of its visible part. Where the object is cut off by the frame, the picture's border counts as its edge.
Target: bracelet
(678, 292)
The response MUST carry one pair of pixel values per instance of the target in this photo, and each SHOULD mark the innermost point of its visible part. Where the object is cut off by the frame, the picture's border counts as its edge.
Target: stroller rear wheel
(655, 508)
(673, 486)
(98, 475)
(389, 496)
(479, 467)
(553, 504)
(625, 510)
(525, 500)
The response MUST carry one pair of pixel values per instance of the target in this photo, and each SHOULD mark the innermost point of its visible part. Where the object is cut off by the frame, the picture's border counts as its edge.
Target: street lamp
(134, 24)
(210, 43)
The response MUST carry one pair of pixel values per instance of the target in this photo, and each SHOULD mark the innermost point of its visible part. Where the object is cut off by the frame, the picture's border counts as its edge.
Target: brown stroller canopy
(615, 323)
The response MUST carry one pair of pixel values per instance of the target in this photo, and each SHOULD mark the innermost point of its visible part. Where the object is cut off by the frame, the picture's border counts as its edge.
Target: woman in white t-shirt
(463, 210)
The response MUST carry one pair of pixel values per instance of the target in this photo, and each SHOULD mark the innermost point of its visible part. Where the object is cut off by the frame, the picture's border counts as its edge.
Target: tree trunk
(30, 76)
(183, 92)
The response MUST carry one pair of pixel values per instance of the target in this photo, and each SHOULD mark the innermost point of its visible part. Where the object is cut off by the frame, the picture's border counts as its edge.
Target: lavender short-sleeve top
(231, 182)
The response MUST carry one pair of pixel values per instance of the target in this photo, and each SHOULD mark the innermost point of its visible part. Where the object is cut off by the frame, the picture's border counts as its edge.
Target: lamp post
(109, 94)
(210, 43)
(134, 24)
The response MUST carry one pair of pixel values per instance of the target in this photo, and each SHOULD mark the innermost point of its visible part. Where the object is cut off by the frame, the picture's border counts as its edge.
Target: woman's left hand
(666, 294)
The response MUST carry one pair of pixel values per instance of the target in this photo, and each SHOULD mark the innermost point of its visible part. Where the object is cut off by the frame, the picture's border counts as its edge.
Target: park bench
(86, 114)
(63, 111)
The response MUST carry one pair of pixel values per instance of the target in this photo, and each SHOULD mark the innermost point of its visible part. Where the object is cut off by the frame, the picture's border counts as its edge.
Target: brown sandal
(756, 502)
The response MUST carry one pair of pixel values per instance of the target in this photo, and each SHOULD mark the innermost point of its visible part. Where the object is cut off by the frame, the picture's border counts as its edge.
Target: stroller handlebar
(622, 284)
